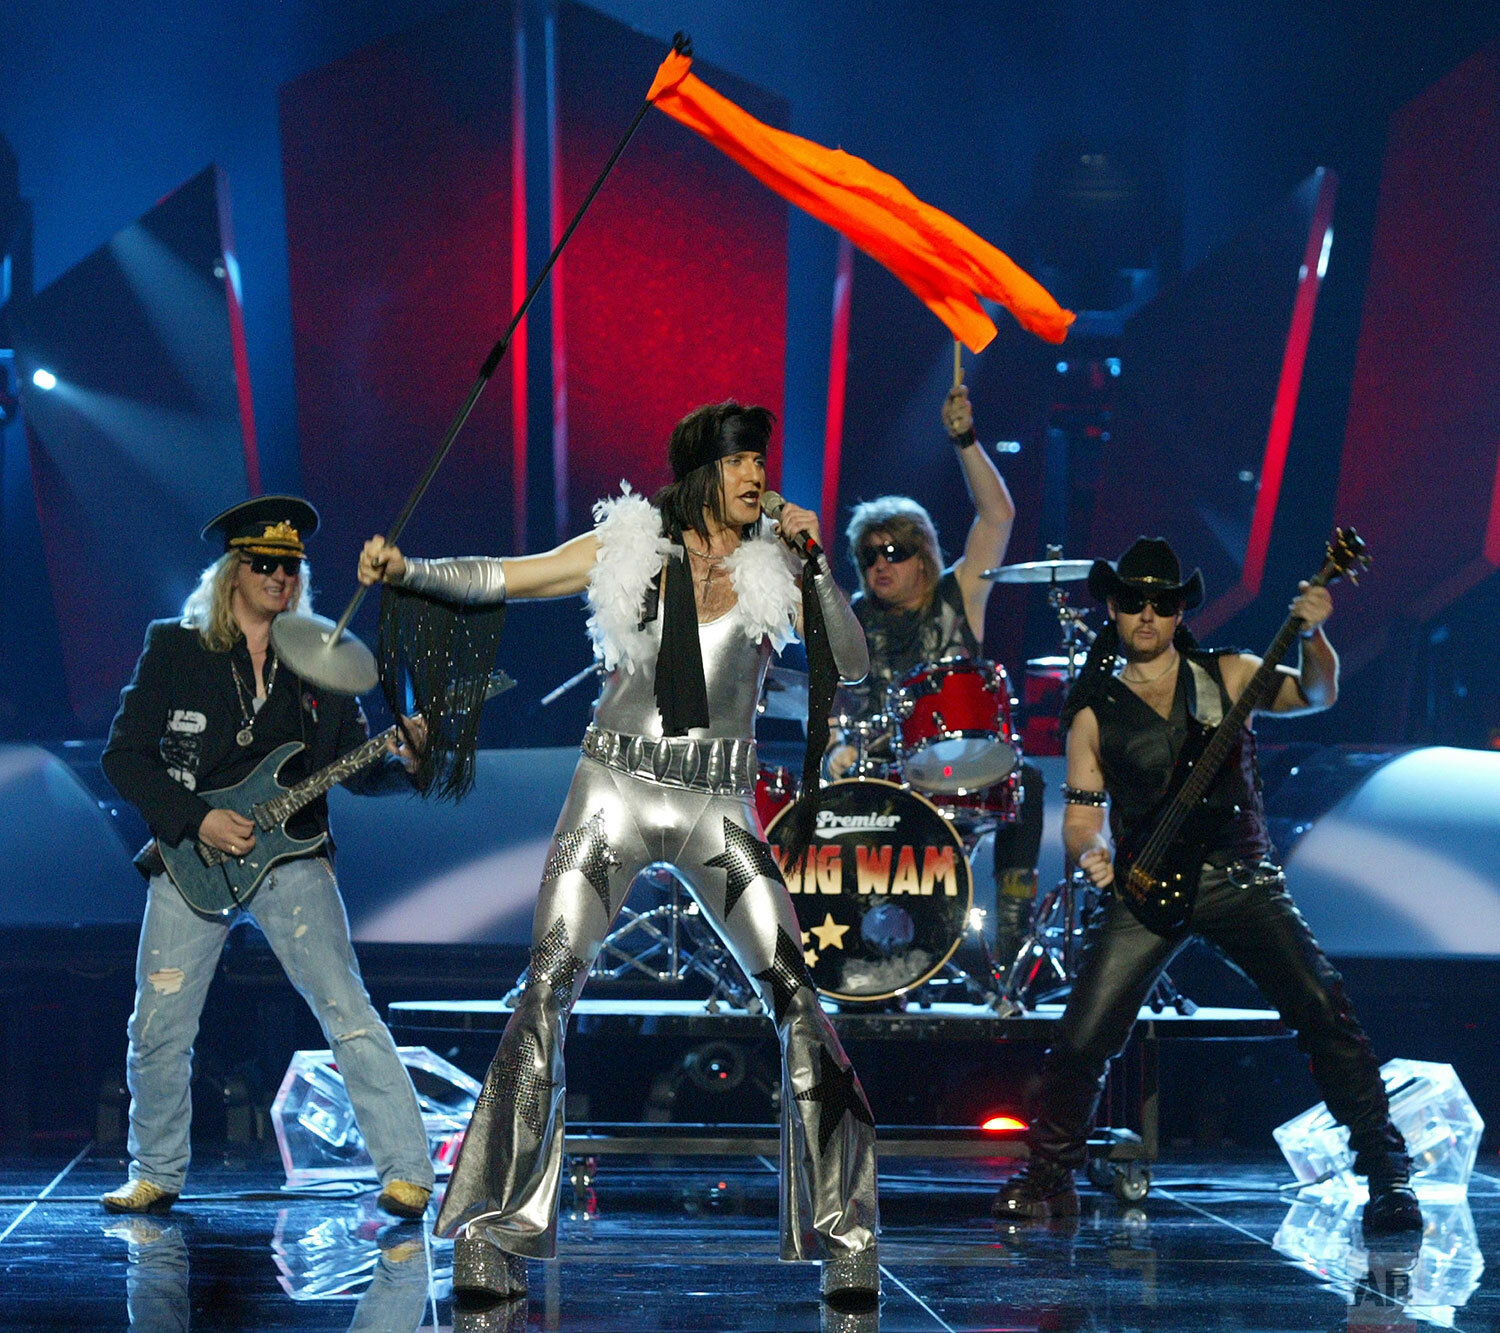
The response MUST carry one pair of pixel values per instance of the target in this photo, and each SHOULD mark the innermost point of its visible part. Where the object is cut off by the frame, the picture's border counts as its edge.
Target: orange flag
(948, 266)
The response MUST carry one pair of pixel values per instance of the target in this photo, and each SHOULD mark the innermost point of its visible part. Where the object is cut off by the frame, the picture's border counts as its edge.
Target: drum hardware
(593, 669)
(784, 695)
(1046, 964)
(668, 943)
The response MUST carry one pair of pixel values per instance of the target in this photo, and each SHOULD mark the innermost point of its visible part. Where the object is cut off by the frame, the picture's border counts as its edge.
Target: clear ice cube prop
(330, 1251)
(315, 1126)
(1429, 1106)
(1431, 1284)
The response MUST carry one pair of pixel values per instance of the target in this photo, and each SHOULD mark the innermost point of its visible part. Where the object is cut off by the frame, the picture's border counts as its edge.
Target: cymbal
(1041, 571)
(785, 694)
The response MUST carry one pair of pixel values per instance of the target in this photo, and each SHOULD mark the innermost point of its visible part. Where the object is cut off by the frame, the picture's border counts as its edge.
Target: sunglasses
(1132, 602)
(290, 565)
(893, 553)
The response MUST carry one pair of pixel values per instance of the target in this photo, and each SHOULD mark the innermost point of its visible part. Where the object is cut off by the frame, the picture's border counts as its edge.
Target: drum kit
(911, 784)
(885, 895)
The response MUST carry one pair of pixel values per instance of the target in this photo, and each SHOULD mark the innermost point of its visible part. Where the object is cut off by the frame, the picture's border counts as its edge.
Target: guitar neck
(325, 779)
(1256, 691)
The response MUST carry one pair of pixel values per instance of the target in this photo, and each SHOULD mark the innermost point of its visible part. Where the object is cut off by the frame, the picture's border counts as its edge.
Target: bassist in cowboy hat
(1127, 719)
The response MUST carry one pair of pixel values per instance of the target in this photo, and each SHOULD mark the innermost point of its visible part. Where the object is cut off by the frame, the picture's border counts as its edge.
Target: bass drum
(884, 893)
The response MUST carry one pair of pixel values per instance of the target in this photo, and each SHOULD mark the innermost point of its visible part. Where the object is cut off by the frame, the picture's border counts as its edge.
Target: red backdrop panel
(1421, 463)
(397, 165)
(673, 291)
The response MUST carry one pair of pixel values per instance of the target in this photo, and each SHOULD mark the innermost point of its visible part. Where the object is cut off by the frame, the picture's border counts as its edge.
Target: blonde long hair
(209, 608)
(906, 522)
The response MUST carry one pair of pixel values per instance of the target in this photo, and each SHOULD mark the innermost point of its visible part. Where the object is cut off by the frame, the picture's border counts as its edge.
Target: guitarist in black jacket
(1125, 727)
(207, 703)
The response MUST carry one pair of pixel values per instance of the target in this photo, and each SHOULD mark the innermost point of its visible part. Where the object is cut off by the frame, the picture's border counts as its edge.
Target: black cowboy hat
(266, 525)
(1149, 566)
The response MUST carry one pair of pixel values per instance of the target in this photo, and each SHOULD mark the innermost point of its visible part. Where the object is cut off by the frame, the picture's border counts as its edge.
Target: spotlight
(44, 379)
(1000, 1124)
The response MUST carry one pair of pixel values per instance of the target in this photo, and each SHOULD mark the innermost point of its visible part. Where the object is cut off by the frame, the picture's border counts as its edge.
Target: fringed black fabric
(822, 684)
(681, 694)
(447, 652)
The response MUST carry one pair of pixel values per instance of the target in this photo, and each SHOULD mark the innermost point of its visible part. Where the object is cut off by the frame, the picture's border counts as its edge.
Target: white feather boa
(631, 551)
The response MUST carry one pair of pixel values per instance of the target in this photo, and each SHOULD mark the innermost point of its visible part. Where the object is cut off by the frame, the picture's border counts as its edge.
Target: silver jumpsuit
(638, 798)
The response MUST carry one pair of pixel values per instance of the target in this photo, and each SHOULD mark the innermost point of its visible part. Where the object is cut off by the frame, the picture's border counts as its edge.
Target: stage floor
(692, 1247)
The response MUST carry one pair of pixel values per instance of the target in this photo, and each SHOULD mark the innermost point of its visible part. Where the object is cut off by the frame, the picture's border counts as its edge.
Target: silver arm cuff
(846, 636)
(470, 580)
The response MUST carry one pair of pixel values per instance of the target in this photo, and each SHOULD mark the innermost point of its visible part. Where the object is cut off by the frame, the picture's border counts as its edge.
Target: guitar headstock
(1347, 558)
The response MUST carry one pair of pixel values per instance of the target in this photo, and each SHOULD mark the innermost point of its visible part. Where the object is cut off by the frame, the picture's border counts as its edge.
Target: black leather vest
(1138, 749)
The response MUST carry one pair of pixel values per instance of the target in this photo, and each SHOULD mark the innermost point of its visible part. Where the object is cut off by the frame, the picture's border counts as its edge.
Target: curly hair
(906, 522)
(209, 608)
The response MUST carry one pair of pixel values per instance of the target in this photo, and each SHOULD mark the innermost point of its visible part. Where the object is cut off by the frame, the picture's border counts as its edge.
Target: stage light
(1062, 367)
(1323, 253)
(44, 379)
(1112, 363)
(976, 918)
(1001, 1124)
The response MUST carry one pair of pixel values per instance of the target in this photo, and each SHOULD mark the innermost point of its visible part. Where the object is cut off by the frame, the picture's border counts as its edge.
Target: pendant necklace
(245, 736)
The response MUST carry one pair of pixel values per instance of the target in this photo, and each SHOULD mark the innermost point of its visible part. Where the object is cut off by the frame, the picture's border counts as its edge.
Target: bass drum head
(884, 893)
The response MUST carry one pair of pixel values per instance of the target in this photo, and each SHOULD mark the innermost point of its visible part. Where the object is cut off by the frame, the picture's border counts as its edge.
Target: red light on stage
(947, 770)
(998, 1124)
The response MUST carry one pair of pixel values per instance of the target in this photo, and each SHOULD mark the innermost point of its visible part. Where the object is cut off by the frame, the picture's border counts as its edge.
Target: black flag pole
(324, 652)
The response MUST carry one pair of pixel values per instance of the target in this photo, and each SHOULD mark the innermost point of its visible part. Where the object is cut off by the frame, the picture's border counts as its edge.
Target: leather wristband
(966, 440)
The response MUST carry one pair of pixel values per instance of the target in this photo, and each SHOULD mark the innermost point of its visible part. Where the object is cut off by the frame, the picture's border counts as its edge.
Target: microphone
(771, 505)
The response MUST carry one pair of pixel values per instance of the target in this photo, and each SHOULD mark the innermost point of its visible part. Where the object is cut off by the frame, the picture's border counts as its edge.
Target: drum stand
(1044, 964)
(1047, 960)
(667, 944)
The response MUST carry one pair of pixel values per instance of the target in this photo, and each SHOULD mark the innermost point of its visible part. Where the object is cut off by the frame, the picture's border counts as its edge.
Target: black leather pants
(1246, 912)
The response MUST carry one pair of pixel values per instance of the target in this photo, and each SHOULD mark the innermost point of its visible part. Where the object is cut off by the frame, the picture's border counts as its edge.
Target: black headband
(738, 435)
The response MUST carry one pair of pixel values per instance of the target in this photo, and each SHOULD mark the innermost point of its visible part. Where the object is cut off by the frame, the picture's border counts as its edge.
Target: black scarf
(681, 694)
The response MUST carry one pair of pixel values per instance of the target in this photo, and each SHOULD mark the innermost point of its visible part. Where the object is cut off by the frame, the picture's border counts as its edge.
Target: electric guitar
(216, 882)
(1157, 867)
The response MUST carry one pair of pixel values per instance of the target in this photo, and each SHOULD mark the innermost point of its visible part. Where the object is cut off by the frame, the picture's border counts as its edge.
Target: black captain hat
(267, 525)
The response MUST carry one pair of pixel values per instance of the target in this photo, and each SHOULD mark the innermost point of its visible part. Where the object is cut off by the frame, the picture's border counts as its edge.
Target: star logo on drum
(830, 934)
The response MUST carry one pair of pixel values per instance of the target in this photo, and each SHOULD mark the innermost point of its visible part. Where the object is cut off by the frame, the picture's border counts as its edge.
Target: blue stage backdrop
(144, 434)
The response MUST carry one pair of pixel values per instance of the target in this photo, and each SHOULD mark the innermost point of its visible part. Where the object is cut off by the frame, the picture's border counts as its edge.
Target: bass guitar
(1157, 867)
(217, 883)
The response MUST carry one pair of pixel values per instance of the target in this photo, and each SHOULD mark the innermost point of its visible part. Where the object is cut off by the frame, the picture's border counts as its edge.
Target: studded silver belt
(720, 767)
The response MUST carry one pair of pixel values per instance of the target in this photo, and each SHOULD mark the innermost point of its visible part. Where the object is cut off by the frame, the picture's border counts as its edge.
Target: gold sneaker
(400, 1198)
(138, 1196)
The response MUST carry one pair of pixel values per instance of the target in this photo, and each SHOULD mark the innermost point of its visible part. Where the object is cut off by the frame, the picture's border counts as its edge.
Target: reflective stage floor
(686, 1247)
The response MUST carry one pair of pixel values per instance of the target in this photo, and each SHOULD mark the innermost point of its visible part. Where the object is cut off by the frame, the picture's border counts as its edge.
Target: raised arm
(1313, 684)
(560, 572)
(994, 511)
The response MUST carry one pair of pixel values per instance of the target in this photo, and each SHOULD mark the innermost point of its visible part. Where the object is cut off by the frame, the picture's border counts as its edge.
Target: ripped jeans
(299, 909)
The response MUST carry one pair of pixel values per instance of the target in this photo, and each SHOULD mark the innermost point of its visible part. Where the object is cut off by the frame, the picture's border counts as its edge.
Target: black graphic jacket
(175, 732)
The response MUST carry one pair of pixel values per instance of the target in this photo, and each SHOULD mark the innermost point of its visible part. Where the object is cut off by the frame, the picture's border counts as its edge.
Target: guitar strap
(1208, 699)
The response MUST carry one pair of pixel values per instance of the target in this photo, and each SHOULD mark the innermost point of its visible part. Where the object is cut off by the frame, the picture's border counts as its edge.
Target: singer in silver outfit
(640, 797)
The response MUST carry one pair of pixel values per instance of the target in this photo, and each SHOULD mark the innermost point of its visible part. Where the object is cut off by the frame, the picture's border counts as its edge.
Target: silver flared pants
(506, 1182)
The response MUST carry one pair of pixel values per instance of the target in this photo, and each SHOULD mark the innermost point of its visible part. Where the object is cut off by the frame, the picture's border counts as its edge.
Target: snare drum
(955, 726)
